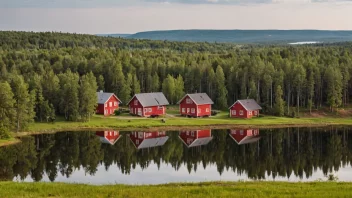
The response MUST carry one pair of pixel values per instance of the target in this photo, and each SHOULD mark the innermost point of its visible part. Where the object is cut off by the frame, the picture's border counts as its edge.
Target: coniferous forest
(48, 74)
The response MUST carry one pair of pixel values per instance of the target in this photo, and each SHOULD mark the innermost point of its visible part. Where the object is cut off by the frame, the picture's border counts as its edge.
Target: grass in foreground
(213, 189)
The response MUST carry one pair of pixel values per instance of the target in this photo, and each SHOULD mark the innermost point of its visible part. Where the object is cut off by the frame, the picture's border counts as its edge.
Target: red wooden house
(195, 105)
(244, 136)
(148, 139)
(245, 109)
(107, 103)
(148, 104)
(195, 138)
(108, 137)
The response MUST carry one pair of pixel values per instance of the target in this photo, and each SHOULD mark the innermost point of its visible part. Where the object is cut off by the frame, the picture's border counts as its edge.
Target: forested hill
(247, 36)
(48, 74)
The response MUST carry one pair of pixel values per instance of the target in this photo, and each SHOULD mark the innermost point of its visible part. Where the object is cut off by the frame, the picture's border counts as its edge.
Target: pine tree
(24, 102)
(69, 92)
(179, 88)
(279, 102)
(334, 90)
(101, 83)
(221, 92)
(126, 89)
(155, 83)
(87, 96)
(169, 88)
(136, 87)
(7, 113)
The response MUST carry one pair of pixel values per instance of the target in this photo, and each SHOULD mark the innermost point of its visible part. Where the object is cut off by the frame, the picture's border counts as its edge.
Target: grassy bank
(217, 189)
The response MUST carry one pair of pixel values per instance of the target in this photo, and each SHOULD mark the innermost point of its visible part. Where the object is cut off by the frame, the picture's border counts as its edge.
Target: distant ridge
(245, 36)
(115, 35)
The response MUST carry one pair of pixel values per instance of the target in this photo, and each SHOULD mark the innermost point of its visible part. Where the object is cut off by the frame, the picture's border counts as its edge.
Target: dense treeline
(57, 73)
(280, 152)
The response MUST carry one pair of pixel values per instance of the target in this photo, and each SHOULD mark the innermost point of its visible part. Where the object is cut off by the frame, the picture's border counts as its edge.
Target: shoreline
(163, 127)
(204, 189)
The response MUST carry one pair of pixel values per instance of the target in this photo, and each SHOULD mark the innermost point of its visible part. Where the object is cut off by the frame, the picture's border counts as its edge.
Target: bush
(4, 133)
(117, 112)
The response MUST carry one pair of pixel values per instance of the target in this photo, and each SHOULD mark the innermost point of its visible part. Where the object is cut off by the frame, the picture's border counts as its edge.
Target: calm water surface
(108, 157)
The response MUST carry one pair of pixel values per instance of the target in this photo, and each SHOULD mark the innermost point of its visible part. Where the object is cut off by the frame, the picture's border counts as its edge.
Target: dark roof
(151, 99)
(248, 104)
(198, 98)
(104, 96)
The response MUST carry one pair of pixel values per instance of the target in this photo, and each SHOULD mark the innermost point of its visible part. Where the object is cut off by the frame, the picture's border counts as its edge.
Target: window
(137, 142)
(192, 133)
(207, 110)
(188, 101)
(249, 112)
(187, 133)
(233, 112)
(241, 112)
(149, 110)
(160, 107)
(193, 110)
(135, 102)
(255, 112)
(115, 104)
(183, 110)
(106, 105)
(241, 132)
(110, 104)
(145, 110)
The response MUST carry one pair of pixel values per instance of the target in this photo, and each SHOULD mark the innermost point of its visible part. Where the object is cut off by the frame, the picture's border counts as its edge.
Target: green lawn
(214, 189)
(221, 120)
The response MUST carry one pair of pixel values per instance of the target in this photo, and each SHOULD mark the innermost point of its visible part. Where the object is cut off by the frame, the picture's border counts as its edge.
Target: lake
(109, 157)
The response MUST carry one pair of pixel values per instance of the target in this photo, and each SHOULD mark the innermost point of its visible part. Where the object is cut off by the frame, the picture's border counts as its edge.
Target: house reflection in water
(196, 137)
(108, 137)
(244, 136)
(148, 139)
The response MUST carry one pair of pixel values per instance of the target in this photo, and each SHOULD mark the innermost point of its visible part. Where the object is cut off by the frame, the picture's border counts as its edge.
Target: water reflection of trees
(280, 152)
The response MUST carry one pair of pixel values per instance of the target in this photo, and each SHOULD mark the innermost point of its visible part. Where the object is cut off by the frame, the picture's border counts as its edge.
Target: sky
(131, 16)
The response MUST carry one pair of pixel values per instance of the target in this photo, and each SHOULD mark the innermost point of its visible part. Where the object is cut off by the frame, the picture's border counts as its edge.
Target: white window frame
(135, 102)
(188, 101)
(160, 107)
(110, 104)
(115, 104)
(106, 105)
(149, 110)
(183, 110)
(250, 113)
(241, 112)
(207, 110)
(193, 110)
(233, 112)
(255, 112)
(192, 133)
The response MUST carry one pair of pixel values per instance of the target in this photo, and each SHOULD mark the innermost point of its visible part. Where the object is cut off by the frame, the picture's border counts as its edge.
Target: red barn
(108, 137)
(244, 136)
(245, 109)
(107, 103)
(148, 104)
(195, 105)
(195, 138)
(148, 139)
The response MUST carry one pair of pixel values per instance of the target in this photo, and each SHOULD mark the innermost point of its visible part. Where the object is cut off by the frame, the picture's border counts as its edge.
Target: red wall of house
(110, 135)
(154, 110)
(110, 110)
(239, 134)
(135, 107)
(238, 107)
(138, 137)
(145, 111)
(200, 109)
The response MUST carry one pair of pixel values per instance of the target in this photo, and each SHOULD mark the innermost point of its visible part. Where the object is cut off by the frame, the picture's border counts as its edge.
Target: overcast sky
(130, 16)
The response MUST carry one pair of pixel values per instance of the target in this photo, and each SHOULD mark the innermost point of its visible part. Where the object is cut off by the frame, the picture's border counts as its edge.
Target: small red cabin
(148, 139)
(108, 137)
(195, 105)
(107, 103)
(244, 136)
(148, 104)
(195, 138)
(245, 109)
